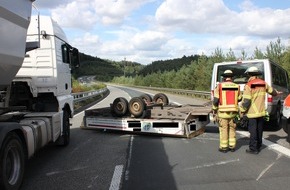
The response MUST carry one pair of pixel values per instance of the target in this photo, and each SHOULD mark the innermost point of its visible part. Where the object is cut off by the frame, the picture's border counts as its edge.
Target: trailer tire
(137, 106)
(12, 162)
(64, 139)
(161, 98)
(120, 107)
(147, 98)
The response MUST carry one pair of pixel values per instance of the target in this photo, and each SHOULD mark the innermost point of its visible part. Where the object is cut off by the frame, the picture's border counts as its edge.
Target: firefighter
(253, 105)
(225, 108)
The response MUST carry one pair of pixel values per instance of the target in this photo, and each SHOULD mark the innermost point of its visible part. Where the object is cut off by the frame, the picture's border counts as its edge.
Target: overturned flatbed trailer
(169, 120)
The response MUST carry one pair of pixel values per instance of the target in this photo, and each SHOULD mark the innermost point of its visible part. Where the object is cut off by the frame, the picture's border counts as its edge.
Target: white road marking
(213, 164)
(129, 158)
(64, 171)
(116, 180)
(272, 146)
(267, 168)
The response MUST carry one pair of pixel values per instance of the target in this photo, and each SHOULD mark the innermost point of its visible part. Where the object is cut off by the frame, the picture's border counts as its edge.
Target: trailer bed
(171, 120)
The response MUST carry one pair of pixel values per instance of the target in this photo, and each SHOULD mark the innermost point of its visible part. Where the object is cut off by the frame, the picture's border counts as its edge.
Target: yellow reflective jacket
(253, 102)
(226, 97)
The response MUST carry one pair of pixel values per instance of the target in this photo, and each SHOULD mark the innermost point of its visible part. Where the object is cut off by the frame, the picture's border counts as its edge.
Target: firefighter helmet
(228, 73)
(253, 71)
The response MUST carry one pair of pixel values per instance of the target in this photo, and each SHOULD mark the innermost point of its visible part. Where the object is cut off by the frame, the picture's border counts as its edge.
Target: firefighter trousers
(227, 129)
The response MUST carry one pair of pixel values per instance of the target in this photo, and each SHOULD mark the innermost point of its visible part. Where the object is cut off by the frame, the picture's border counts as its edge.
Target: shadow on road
(149, 166)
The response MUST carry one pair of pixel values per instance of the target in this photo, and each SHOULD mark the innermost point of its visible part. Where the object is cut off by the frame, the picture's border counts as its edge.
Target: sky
(144, 31)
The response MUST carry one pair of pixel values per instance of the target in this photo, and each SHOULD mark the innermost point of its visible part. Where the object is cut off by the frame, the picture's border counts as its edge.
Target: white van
(272, 73)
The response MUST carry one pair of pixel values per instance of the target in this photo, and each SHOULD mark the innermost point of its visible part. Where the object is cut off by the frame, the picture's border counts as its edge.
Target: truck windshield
(239, 71)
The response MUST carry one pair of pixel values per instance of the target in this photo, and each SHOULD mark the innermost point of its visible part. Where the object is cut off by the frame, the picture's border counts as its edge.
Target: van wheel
(285, 124)
(12, 162)
(275, 121)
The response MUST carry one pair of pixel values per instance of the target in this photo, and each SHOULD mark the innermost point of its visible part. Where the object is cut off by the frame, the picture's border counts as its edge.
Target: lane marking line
(213, 164)
(270, 145)
(116, 180)
(129, 158)
(267, 168)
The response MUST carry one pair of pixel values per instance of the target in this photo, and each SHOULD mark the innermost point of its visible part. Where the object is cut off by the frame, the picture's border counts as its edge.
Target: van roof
(242, 61)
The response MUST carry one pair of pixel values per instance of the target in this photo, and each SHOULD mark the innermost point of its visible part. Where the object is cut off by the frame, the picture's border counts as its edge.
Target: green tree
(218, 55)
(244, 55)
(286, 60)
(258, 54)
(230, 56)
(275, 50)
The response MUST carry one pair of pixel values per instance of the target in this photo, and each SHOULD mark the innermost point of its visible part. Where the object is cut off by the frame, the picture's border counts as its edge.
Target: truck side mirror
(75, 59)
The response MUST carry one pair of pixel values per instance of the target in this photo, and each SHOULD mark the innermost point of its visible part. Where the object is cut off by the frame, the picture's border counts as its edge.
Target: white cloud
(210, 16)
(194, 16)
(75, 15)
(149, 40)
(108, 29)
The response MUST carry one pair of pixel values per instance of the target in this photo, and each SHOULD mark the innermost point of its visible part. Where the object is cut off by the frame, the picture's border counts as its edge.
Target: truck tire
(147, 98)
(12, 162)
(161, 98)
(120, 107)
(64, 139)
(137, 106)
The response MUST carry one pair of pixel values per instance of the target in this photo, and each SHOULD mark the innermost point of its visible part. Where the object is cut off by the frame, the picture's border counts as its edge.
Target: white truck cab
(35, 94)
(272, 73)
(46, 71)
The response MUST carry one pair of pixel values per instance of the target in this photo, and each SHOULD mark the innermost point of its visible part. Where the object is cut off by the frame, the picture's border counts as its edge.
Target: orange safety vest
(286, 107)
(287, 101)
(228, 97)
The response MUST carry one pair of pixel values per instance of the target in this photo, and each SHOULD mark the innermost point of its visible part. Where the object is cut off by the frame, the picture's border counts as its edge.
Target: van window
(279, 76)
(239, 71)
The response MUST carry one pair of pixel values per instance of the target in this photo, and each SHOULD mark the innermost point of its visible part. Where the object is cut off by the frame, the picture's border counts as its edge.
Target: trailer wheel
(12, 162)
(120, 107)
(137, 106)
(147, 98)
(161, 98)
(64, 139)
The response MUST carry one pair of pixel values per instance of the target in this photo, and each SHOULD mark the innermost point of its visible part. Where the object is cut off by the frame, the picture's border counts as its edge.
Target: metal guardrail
(81, 96)
(194, 93)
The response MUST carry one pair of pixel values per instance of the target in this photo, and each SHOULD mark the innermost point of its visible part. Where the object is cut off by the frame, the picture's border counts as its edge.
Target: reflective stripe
(229, 94)
(232, 142)
(227, 114)
(255, 90)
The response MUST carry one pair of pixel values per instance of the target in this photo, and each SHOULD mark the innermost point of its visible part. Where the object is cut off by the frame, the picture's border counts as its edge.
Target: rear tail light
(270, 98)
(212, 93)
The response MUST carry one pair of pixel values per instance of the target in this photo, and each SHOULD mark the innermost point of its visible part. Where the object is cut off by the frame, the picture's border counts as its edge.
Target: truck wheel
(137, 106)
(12, 162)
(120, 107)
(161, 98)
(147, 98)
(65, 137)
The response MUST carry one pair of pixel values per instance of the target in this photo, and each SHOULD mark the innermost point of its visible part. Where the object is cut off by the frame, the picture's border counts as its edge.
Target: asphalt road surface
(108, 160)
